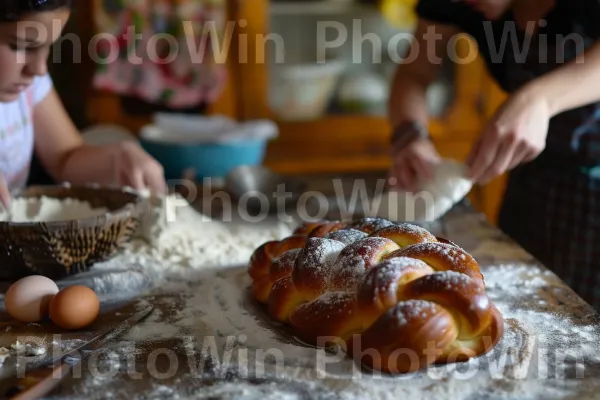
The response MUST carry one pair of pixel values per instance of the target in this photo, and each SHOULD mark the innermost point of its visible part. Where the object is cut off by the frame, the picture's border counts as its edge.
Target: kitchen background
(330, 116)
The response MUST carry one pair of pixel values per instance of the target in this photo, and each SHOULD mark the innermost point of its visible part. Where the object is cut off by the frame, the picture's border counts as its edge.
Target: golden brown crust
(283, 299)
(406, 234)
(261, 259)
(283, 265)
(457, 292)
(324, 229)
(261, 266)
(307, 227)
(313, 266)
(395, 296)
(289, 243)
(329, 319)
(379, 288)
(442, 257)
(355, 259)
(406, 338)
(370, 225)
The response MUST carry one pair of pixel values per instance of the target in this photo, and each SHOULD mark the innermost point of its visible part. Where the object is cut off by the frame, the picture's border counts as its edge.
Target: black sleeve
(587, 14)
(445, 12)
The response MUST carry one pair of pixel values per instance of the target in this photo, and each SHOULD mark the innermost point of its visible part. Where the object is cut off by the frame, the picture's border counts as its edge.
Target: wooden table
(545, 322)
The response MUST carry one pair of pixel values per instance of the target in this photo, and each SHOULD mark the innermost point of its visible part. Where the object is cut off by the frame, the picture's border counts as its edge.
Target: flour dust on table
(222, 345)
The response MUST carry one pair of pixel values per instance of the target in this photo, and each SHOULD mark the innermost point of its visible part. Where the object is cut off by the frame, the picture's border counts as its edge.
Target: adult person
(545, 54)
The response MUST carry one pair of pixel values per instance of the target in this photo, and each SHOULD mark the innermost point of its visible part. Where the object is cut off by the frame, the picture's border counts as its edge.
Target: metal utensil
(254, 184)
(42, 380)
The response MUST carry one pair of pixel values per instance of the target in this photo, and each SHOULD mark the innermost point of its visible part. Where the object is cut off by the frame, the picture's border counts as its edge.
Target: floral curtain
(161, 51)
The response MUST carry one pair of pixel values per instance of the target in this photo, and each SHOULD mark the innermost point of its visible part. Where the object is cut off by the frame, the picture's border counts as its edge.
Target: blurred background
(330, 116)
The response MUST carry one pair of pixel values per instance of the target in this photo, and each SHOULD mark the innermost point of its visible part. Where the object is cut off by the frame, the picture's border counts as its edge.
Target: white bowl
(304, 91)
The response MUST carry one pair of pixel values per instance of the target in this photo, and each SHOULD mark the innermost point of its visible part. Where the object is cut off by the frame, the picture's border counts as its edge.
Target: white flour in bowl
(47, 209)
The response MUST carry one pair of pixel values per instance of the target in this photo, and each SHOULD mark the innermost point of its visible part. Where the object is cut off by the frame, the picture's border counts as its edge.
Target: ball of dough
(433, 198)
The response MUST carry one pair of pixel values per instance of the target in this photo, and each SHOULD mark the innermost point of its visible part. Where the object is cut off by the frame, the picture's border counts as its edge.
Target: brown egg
(28, 299)
(74, 307)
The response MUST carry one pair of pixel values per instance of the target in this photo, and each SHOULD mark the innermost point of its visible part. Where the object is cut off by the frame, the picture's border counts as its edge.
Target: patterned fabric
(17, 133)
(552, 205)
(171, 61)
(554, 213)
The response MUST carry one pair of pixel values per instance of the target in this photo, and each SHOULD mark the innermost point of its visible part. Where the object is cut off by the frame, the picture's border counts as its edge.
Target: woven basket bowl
(57, 249)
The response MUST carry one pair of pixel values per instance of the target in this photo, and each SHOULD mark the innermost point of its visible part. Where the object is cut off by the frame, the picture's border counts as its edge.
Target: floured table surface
(207, 339)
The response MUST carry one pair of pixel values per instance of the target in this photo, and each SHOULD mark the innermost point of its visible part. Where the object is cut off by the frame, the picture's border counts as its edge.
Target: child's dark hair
(13, 10)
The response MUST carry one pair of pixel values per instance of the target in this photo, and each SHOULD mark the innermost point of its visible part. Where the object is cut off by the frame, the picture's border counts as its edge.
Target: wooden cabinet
(338, 140)
(341, 142)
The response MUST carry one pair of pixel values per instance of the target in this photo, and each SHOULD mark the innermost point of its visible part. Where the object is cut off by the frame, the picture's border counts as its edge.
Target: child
(32, 117)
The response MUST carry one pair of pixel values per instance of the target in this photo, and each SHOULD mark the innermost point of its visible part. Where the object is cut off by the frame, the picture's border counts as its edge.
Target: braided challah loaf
(393, 295)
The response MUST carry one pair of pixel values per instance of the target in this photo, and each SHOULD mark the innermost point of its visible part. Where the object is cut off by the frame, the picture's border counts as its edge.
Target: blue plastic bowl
(207, 160)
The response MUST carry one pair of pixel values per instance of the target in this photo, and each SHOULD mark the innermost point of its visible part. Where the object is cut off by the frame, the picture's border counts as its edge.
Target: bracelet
(406, 132)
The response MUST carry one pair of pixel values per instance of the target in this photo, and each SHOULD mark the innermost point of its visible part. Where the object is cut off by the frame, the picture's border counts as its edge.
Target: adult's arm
(517, 133)
(572, 85)
(417, 70)
(413, 160)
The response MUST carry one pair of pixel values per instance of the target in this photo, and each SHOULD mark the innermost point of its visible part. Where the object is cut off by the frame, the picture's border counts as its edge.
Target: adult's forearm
(573, 85)
(408, 98)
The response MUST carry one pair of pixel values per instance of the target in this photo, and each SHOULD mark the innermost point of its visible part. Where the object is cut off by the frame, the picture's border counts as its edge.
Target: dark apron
(552, 205)
(553, 212)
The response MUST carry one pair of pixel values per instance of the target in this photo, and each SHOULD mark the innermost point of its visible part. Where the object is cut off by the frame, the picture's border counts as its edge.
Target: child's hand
(5, 197)
(136, 168)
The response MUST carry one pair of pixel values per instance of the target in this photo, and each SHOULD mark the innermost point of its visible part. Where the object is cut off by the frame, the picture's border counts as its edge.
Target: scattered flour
(46, 209)
(198, 269)
(500, 251)
(174, 239)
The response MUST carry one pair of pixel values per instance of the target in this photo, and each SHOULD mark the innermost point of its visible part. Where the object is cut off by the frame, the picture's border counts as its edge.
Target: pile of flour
(47, 209)
(175, 240)
(179, 236)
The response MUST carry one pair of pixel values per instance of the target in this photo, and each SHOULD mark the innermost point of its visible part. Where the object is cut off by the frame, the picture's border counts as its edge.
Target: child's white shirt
(17, 132)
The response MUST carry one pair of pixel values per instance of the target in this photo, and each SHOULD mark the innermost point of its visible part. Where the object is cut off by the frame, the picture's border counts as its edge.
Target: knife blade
(42, 380)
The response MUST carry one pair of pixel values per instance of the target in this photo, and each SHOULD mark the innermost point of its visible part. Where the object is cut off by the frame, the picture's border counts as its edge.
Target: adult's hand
(515, 135)
(411, 163)
(5, 197)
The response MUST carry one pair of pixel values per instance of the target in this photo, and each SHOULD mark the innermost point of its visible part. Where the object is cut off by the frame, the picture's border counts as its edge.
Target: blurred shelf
(344, 126)
(350, 143)
(278, 8)
(354, 164)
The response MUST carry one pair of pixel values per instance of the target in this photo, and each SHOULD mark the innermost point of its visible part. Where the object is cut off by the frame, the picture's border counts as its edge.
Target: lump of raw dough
(431, 201)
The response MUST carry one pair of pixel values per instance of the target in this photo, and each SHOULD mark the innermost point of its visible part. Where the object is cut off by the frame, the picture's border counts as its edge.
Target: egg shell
(74, 307)
(28, 299)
